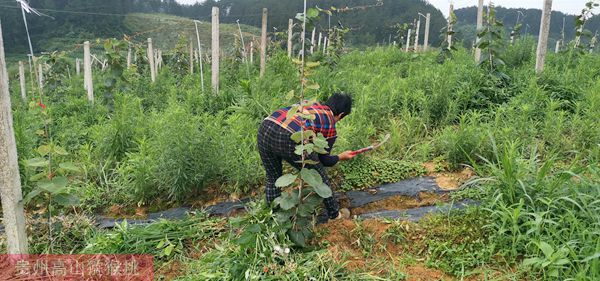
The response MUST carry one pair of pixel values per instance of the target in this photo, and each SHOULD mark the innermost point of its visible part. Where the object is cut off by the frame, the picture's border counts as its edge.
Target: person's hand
(346, 155)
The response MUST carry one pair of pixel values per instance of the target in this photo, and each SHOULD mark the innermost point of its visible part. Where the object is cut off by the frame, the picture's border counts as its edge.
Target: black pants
(274, 145)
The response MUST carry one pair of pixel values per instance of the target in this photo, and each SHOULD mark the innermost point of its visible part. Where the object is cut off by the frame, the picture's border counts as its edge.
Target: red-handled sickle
(371, 147)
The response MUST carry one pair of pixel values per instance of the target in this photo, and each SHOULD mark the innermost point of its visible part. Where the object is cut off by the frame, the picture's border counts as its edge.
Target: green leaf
(594, 256)
(38, 176)
(309, 147)
(285, 180)
(255, 228)
(531, 261)
(32, 194)
(161, 244)
(290, 95)
(309, 205)
(313, 86)
(311, 177)
(54, 186)
(60, 151)
(37, 162)
(44, 150)
(312, 13)
(287, 200)
(66, 199)
(69, 166)
(546, 249)
(297, 137)
(323, 190)
(297, 237)
(292, 111)
(169, 249)
(321, 142)
(246, 239)
(282, 217)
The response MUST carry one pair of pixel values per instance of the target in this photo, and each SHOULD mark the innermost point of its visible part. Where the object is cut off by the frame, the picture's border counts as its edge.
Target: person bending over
(275, 144)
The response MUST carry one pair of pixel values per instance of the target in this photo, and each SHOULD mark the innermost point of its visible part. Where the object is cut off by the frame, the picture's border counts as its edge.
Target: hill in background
(371, 21)
(78, 20)
(529, 18)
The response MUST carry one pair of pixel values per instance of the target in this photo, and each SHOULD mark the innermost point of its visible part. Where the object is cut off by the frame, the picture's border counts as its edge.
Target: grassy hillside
(166, 30)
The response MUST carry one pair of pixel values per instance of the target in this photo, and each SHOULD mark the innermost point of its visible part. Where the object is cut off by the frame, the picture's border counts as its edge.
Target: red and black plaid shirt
(324, 122)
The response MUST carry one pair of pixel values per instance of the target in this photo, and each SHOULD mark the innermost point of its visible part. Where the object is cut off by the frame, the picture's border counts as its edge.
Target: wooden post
(252, 51)
(426, 38)
(479, 26)
(41, 77)
(312, 41)
(324, 44)
(10, 180)
(77, 66)
(450, 27)
(22, 81)
(290, 36)
(394, 43)
(263, 43)
(87, 71)
(150, 54)
(129, 57)
(191, 57)
(319, 42)
(408, 40)
(417, 35)
(215, 49)
(159, 59)
(557, 48)
(542, 46)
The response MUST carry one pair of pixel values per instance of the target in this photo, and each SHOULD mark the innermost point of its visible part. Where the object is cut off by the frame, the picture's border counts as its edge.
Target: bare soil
(365, 248)
(402, 203)
(447, 180)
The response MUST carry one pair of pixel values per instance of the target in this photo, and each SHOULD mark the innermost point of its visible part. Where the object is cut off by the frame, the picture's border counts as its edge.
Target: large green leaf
(54, 186)
(546, 249)
(292, 112)
(285, 180)
(308, 206)
(69, 166)
(321, 142)
(312, 13)
(323, 190)
(44, 150)
(311, 177)
(254, 228)
(297, 237)
(60, 151)
(246, 239)
(287, 200)
(37, 162)
(32, 194)
(66, 199)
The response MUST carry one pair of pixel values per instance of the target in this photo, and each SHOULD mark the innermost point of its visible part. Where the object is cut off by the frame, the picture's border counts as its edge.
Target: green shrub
(174, 159)
(370, 172)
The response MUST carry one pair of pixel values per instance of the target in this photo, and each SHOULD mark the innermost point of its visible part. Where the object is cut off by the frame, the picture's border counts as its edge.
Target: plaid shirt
(324, 122)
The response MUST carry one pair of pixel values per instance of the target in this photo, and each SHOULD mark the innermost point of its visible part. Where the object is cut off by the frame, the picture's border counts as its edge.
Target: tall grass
(545, 212)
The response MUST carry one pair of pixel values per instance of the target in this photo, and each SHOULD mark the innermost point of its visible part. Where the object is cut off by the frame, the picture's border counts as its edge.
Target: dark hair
(340, 103)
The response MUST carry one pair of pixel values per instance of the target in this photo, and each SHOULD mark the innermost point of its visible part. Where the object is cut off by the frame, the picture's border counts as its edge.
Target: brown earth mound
(402, 202)
(448, 180)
